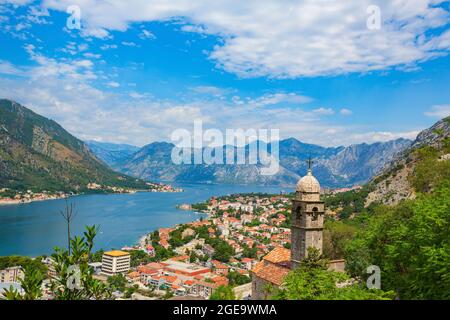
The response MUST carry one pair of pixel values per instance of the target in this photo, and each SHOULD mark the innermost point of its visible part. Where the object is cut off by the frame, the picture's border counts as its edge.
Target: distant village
(9, 196)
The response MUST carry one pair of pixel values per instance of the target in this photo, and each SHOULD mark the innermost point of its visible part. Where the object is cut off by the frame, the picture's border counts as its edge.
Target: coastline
(154, 212)
(10, 201)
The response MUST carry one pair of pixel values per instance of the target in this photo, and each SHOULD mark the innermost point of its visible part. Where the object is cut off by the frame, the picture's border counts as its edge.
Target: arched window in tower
(298, 213)
(315, 214)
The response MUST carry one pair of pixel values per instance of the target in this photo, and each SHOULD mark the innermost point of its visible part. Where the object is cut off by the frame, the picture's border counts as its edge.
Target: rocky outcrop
(393, 184)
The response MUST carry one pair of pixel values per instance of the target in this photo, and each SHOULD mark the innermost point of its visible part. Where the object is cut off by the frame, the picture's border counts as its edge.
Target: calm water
(35, 228)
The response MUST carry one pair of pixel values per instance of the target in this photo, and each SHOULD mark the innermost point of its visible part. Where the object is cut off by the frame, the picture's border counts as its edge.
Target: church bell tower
(307, 218)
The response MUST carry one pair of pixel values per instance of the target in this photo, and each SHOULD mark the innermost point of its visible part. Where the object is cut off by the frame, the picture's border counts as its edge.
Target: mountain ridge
(38, 154)
(334, 166)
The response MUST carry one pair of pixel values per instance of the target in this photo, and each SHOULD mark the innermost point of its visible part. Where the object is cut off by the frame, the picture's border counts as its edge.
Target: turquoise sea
(35, 228)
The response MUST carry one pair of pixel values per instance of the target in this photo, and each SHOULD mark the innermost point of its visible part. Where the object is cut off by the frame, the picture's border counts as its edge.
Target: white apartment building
(115, 262)
(11, 274)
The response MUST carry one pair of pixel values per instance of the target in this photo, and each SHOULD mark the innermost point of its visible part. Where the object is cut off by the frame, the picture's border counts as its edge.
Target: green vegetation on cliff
(37, 154)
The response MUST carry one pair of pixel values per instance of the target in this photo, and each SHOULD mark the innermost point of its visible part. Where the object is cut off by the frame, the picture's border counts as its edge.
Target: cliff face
(395, 182)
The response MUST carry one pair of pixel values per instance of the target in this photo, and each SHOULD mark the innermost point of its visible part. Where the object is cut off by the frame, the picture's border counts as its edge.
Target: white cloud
(145, 34)
(113, 84)
(129, 44)
(324, 111)
(210, 90)
(439, 111)
(379, 136)
(346, 112)
(64, 91)
(299, 38)
(108, 46)
(92, 55)
(9, 69)
(278, 98)
(16, 2)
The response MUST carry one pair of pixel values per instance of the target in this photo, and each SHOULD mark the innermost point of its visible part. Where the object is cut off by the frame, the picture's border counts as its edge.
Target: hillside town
(219, 250)
(192, 260)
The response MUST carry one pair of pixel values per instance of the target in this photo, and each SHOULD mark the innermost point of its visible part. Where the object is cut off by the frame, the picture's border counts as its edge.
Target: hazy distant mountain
(334, 167)
(38, 154)
(111, 153)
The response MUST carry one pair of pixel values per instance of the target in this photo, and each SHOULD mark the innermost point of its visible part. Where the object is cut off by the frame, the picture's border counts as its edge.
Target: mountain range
(333, 166)
(37, 154)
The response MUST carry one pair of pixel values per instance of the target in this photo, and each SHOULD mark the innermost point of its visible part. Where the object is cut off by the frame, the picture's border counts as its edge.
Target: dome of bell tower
(308, 184)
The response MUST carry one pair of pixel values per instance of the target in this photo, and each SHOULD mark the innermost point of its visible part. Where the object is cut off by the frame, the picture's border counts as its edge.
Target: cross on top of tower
(309, 162)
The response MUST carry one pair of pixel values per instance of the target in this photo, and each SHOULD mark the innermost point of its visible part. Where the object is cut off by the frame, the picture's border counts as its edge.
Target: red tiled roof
(278, 255)
(179, 258)
(275, 266)
(170, 278)
(270, 272)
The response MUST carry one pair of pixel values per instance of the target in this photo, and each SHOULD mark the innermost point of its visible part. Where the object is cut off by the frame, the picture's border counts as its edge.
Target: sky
(328, 72)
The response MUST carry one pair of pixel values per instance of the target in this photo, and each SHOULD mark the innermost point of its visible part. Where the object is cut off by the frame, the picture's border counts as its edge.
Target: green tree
(24, 262)
(223, 293)
(73, 279)
(237, 279)
(169, 294)
(223, 251)
(312, 281)
(336, 235)
(249, 252)
(117, 282)
(411, 244)
(31, 285)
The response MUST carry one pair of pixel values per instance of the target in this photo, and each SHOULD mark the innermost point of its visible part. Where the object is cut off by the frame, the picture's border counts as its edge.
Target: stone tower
(307, 218)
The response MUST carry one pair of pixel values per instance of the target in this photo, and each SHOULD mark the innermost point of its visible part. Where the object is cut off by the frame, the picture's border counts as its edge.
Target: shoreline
(14, 202)
(7, 202)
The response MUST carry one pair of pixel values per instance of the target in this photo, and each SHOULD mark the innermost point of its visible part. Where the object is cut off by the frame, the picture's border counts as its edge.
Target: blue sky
(312, 69)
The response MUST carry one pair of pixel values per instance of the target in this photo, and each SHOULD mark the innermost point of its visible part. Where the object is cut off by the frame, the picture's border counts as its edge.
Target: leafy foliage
(31, 285)
(117, 282)
(411, 244)
(237, 279)
(336, 235)
(12, 261)
(223, 293)
(429, 171)
(222, 250)
(312, 281)
(74, 277)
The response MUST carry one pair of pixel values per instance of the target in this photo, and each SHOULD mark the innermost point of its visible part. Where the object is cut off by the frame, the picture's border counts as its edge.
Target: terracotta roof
(170, 279)
(179, 258)
(133, 274)
(278, 255)
(271, 272)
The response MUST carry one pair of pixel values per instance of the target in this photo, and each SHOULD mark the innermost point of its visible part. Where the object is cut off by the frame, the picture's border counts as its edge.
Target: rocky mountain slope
(334, 167)
(38, 154)
(111, 153)
(416, 168)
